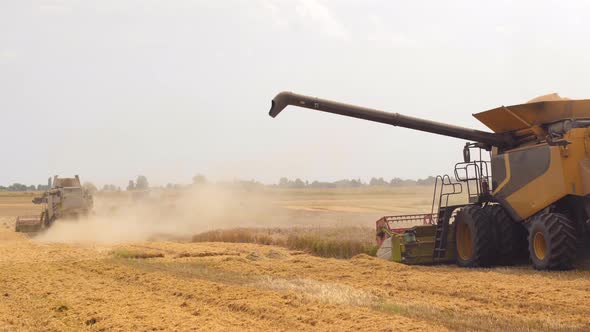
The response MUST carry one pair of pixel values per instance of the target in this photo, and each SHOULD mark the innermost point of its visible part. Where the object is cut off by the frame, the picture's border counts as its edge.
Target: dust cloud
(165, 215)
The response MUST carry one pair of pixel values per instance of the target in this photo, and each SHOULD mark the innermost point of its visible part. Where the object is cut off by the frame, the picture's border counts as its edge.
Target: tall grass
(325, 242)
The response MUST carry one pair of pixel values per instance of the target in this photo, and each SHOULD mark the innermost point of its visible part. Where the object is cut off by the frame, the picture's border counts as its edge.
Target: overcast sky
(112, 89)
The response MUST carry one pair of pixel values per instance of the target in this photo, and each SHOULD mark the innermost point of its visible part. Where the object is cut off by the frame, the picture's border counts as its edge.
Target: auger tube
(283, 99)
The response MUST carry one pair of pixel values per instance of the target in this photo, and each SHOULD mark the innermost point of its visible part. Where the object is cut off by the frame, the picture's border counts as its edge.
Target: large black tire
(552, 242)
(510, 237)
(474, 238)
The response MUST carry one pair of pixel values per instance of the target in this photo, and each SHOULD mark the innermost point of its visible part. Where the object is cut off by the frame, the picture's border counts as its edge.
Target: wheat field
(137, 267)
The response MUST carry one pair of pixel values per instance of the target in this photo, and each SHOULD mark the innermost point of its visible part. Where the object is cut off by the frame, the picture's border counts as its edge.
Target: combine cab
(65, 199)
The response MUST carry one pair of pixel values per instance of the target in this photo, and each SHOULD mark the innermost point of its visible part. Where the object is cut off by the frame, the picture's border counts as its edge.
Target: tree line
(24, 187)
(354, 183)
(142, 183)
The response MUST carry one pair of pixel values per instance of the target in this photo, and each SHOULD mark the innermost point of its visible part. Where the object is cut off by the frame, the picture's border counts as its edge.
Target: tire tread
(562, 241)
(483, 244)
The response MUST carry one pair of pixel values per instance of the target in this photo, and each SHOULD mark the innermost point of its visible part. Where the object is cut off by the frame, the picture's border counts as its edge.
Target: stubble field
(133, 266)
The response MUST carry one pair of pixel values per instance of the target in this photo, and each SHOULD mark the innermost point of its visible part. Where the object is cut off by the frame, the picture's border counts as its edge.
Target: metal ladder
(443, 189)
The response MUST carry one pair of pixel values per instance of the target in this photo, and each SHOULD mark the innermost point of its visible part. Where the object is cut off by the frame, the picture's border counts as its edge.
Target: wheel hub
(464, 242)
(539, 245)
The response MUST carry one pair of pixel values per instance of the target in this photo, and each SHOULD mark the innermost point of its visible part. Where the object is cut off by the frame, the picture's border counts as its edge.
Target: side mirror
(466, 153)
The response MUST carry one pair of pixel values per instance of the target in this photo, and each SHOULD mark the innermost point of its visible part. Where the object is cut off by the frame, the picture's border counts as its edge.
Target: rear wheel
(473, 237)
(552, 242)
(510, 236)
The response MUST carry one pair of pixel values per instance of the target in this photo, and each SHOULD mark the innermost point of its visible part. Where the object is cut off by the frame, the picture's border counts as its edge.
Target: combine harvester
(65, 199)
(539, 185)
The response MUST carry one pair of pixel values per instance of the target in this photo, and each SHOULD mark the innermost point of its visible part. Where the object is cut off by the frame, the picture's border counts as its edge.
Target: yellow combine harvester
(539, 183)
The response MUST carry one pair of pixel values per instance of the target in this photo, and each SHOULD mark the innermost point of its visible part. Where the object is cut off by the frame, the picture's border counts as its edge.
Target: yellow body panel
(542, 191)
(568, 173)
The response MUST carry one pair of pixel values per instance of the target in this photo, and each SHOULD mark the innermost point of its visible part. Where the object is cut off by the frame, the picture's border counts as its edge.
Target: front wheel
(474, 240)
(552, 242)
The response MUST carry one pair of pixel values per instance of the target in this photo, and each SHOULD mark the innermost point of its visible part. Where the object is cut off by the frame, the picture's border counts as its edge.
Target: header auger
(537, 191)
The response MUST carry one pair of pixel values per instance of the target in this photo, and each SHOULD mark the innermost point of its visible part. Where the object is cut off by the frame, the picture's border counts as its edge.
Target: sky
(113, 89)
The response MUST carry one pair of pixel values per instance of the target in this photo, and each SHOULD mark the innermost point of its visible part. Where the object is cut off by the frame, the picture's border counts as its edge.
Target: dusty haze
(137, 216)
(179, 214)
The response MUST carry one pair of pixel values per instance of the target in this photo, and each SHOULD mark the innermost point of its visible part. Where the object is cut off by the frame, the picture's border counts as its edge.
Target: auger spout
(284, 99)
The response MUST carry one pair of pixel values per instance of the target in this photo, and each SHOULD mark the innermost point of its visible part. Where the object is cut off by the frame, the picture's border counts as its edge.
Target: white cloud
(278, 18)
(503, 30)
(312, 14)
(382, 33)
(7, 55)
(320, 15)
(55, 7)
